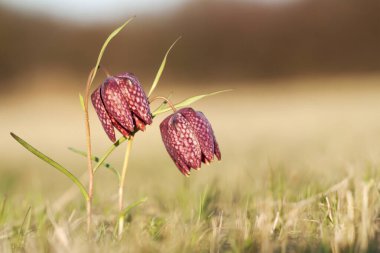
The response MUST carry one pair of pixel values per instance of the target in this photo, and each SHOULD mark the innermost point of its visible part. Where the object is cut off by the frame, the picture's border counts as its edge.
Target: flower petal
(203, 131)
(138, 123)
(103, 115)
(135, 96)
(185, 140)
(120, 128)
(164, 127)
(217, 150)
(115, 104)
(181, 143)
(181, 165)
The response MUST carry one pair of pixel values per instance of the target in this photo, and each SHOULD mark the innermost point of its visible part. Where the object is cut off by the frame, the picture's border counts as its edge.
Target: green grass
(286, 215)
(300, 175)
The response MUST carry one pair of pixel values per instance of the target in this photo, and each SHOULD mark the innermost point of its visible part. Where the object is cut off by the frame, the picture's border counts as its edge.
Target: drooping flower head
(189, 139)
(121, 103)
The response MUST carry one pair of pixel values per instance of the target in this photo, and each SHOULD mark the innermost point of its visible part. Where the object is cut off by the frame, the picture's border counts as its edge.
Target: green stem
(108, 152)
(88, 144)
(166, 100)
(121, 186)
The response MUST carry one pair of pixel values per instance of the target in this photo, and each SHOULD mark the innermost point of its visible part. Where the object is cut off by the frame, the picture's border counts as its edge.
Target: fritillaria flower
(189, 139)
(121, 103)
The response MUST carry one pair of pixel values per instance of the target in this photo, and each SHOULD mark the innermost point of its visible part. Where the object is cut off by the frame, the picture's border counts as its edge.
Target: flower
(120, 102)
(189, 139)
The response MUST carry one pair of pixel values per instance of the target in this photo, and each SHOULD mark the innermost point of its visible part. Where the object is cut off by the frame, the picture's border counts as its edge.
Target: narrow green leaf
(132, 205)
(120, 223)
(25, 223)
(187, 102)
(96, 159)
(81, 100)
(161, 69)
(109, 151)
(2, 210)
(110, 37)
(53, 163)
(202, 202)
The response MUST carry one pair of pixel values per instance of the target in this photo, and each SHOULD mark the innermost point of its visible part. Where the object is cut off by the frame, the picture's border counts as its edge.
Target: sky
(91, 10)
(100, 10)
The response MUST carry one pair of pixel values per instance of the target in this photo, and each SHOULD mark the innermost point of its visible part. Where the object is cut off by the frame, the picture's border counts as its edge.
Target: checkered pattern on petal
(103, 115)
(135, 96)
(186, 140)
(116, 104)
(181, 142)
(217, 150)
(119, 127)
(164, 128)
(216, 146)
(203, 131)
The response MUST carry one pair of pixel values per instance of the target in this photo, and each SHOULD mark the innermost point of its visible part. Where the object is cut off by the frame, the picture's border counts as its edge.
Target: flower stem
(108, 152)
(166, 100)
(89, 155)
(89, 150)
(121, 186)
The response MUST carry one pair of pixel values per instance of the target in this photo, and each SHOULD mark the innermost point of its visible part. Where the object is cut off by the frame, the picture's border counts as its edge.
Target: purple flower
(189, 139)
(120, 102)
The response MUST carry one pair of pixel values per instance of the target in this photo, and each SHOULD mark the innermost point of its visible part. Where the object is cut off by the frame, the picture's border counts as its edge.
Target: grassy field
(299, 173)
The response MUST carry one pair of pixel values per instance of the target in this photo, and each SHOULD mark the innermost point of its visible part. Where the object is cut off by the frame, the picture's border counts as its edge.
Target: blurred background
(305, 75)
(222, 40)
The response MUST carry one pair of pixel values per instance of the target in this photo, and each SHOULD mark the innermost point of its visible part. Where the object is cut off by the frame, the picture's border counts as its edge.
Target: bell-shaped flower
(189, 139)
(121, 103)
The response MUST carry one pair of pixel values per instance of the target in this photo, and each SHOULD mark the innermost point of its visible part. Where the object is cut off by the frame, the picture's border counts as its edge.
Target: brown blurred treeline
(221, 41)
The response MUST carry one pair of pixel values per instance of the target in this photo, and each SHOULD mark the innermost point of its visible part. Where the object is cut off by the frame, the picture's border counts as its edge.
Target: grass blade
(2, 211)
(202, 203)
(161, 69)
(26, 222)
(53, 163)
(187, 102)
(110, 37)
(96, 159)
(119, 226)
(133, 205)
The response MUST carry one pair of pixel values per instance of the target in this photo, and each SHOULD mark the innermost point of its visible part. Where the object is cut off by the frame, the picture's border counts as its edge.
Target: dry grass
(300, 173)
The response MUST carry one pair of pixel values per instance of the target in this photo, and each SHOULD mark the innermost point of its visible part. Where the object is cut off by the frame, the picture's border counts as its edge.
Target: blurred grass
(300, 173)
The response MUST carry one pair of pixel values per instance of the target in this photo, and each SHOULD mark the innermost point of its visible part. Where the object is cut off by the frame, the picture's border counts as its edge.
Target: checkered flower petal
(164, 127)
(120, 128)
(181, 142)
(121, 103)
(212, 135)
(135, 96)
(217, 150)
(104, 118)
(189, 139)
(203, 131)
(116, 104)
